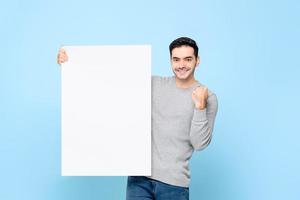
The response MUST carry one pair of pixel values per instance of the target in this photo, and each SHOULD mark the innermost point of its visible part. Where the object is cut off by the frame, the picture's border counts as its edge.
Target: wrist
(200, 106)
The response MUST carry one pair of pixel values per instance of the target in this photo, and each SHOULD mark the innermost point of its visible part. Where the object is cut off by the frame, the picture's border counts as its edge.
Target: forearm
(202, 124)
(200, 133)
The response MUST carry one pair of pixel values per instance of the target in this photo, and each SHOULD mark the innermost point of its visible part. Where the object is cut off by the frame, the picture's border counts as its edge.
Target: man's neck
(185, 83)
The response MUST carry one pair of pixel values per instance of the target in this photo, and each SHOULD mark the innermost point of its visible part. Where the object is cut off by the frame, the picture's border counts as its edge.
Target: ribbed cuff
(199, 115)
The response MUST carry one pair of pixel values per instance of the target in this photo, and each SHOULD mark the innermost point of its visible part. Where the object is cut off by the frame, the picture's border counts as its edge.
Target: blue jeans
(143, 188)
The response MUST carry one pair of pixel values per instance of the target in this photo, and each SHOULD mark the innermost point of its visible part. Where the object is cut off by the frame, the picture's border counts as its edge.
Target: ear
(198, 60)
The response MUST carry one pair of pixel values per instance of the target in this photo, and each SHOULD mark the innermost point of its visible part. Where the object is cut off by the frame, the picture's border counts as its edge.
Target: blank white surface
(106, 111)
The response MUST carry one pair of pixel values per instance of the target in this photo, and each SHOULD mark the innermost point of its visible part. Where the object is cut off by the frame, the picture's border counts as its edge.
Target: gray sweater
(178, 128)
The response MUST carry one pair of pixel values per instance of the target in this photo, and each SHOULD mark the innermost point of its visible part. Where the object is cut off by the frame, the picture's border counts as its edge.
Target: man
(183, 115)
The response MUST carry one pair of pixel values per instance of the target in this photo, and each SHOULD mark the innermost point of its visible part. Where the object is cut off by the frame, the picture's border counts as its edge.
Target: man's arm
(203, 121)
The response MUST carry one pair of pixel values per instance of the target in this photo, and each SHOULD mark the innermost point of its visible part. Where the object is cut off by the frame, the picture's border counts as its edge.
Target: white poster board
(106, 111)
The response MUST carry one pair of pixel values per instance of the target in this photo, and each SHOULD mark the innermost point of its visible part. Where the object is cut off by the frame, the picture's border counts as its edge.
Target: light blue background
(249, 58)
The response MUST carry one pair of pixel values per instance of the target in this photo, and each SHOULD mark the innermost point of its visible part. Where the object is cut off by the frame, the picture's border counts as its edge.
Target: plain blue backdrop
(249, 57)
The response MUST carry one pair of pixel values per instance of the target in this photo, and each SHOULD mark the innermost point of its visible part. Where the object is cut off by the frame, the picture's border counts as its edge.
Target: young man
(183, 115)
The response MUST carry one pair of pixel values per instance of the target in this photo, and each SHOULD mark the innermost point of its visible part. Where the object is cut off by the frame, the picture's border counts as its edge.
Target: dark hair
(184, 41)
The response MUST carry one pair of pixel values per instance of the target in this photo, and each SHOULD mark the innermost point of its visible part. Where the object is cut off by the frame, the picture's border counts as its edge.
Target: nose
(182, 64)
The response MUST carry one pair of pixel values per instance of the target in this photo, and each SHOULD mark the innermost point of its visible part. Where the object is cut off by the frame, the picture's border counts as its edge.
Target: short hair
(184, 41)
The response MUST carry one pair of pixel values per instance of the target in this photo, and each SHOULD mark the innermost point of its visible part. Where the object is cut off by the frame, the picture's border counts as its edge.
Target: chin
(184, 77)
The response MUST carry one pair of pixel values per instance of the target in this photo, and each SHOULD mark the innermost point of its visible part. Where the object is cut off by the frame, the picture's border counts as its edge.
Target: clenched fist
(199, 96)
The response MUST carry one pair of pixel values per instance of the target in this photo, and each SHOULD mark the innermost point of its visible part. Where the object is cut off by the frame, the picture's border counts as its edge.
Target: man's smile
(182, 70)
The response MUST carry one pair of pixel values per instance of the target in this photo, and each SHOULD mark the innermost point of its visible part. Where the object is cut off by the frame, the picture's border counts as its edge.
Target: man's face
(184, 62)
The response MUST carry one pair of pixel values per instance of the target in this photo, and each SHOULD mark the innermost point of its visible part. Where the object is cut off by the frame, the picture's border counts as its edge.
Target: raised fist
(199, 96)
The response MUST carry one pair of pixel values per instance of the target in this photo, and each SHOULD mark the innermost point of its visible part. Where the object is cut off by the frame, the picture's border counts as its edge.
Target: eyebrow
(183, 58)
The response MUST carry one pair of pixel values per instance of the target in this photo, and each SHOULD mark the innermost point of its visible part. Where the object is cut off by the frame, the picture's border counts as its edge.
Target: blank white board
(106, 111)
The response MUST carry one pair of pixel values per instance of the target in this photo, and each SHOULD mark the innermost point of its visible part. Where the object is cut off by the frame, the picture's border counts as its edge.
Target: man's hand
(62, 56)
(199, 96)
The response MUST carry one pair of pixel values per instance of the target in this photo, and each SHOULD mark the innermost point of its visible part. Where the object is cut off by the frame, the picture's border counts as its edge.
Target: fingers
(62, 56)
(199, 96)
(200, 91)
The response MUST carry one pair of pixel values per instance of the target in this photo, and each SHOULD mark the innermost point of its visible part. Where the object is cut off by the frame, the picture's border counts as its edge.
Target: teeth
(182, 70)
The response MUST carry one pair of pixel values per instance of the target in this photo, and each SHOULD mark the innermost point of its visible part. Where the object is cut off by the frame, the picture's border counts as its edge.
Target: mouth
(182, 71)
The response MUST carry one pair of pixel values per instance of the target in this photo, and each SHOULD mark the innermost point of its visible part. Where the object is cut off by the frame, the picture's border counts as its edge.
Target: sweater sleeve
(203, 123)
